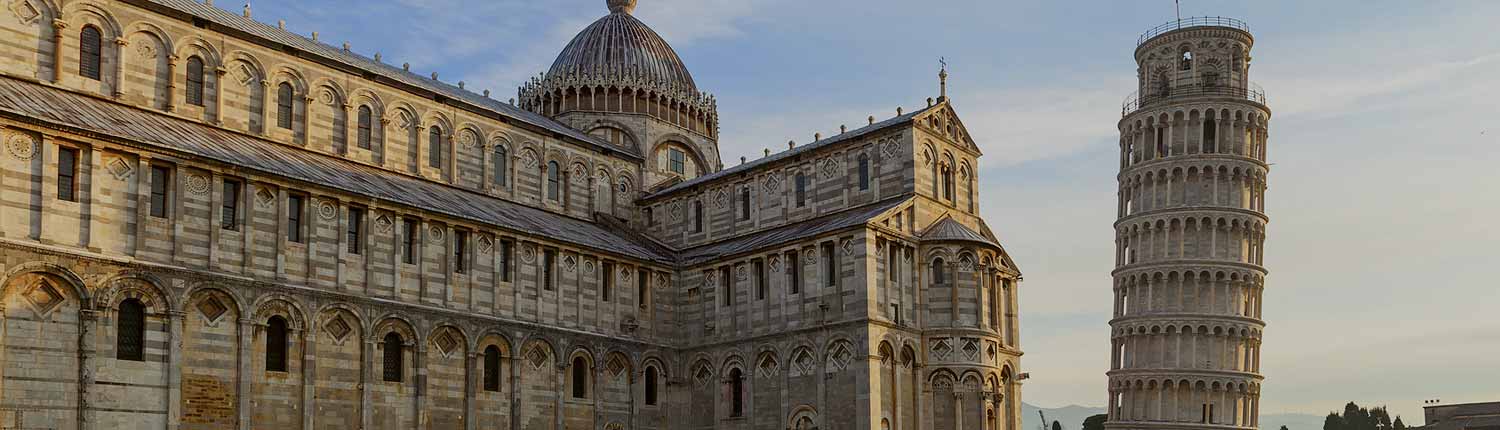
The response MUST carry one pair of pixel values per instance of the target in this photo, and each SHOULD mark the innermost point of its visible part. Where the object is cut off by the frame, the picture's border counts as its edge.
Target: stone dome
(621, 46)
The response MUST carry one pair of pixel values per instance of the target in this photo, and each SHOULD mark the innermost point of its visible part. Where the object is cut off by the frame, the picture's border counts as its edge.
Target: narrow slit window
(284, 103)
(161, 176)
(294, 204)
(864, 172)
(392, 361)
(194, 94)
(607, 285)
(507, 250)
(276, 345)
(409, 241)
(549, 259)
(492, 369)
(67, 174)
(760, 279)
(435, 147)
(130, 331)
(801, 190)
(794, 272)
(365, 135)
(229, 214)
(90, 52)
(460, 251)
(554, 180)
(356, 230)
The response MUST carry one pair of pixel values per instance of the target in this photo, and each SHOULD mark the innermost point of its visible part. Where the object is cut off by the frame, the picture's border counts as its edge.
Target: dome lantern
(621, 6)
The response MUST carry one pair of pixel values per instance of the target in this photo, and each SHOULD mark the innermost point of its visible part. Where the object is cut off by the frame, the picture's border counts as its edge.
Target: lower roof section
(802, 230)
(58, 108)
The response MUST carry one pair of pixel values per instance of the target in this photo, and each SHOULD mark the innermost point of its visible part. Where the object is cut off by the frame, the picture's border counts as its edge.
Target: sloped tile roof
(260, 30)
(802, 230)
(32, 102)
(843, 137)
(950, 230)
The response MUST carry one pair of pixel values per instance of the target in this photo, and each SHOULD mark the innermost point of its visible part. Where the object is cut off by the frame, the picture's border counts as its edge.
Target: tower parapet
(1189, 274)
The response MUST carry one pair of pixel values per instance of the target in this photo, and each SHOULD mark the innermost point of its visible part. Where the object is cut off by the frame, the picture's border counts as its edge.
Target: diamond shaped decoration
(120, 169)
(569, 263)
(830, 168)
(773, 184)
(337, 328)
(971, 349)
(537, 358)
(768, 367)
(614, 367)
(265, 197)
(383, 223)
(446, 344)
(244, 74)
(44, 298)
(805, 363)
(212, 309)
(703, 375)
(840, 357)
(486, 245)
(941, 350)
(27, 12)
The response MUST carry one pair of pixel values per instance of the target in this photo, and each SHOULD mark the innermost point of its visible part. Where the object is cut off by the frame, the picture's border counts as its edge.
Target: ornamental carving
(119, 168)
(25, 11)
(486, 245)
(570, 263)
(848, 247)
(830, 168)
(327, 210)
(265, 197)
(721, 198)
(435, 234)
(528, 254)
(588, 267)
(892, 145)
(21, 146)
(197, 183)
(773, 183)
(528, 158)
(383, 223)
(775, 264)
(244, 74)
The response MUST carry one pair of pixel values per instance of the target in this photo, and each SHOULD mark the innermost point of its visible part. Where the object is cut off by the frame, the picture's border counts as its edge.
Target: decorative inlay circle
(327, 210)
(22, 147)
(197, 183)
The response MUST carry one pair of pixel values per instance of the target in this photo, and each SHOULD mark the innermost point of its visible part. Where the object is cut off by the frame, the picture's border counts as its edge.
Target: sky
(1384, 142)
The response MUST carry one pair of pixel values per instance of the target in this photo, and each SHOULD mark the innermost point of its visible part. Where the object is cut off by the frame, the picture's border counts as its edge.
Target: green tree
(1283, 427)
(1398, 424)
(1095, 422)
(1333, 422)
(1056, 425)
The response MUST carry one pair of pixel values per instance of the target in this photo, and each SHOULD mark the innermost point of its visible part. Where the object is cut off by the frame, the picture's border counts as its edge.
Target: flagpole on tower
(1179, 13)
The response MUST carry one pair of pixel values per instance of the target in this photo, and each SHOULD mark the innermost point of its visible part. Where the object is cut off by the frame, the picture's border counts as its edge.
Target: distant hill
(1072, 417)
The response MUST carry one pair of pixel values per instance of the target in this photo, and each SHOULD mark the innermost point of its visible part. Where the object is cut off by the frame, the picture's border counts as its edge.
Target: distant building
(1468, 416)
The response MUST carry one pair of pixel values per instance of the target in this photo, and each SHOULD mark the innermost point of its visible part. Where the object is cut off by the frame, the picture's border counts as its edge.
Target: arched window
(502, 165)
(864, 172)
(1187, 59)
(1210, 134)
(697, 217)
(1161, 142)
(948, 183)
(553, 181)
(195, 81)
(937, 273)
(492, 368)
(745, 203)
(130, 331)
(284, 106)
(580, 378)
(435, 149)
(90, 52)
(651, 375)
(276, 345)
(801, 190)
(392, 361)
(677, 161)
(366, 124)
(737, 393)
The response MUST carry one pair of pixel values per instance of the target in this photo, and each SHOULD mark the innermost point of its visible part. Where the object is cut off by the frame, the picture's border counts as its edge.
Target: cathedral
(209, 222)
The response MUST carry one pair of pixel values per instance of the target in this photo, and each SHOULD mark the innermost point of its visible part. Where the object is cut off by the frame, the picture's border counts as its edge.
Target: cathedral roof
(950, 230)
(69, 111)
(620, 44)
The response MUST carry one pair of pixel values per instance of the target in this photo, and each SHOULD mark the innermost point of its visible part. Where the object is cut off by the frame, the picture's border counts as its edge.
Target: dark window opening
(726, 284)
(641, 292)
(745, 203)
(580, 378)
(392, 361)
(760, 279)
(90, 52)
(608, 283)
(409, 241)
(130, 336)
(435, 149)
(366, 126)
(830, 265)
(677, 161)
(737, 393)
(651, 376)
(502, 166)
(229, 213)
(507, 249)
(276, 345)
(801, 190)
(160, 177)
(1187, 59)
(460, 251)
(549, 258)
(356, 230)
(864, 172)
(697, 217)
(554, 180)
(67, 172)
(794, 272)
(195, 81)
(294, 218)
(284, 106)
(1210, 135)
(937, 273)
(492, 368)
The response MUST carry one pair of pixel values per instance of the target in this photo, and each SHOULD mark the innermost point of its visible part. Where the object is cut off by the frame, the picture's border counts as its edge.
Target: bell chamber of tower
(1190, 233)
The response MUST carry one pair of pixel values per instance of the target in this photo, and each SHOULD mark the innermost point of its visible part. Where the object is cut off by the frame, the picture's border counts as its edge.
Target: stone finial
(817, 137)
(434, 76)
(620, 6)
(742, 160)
(281, 24)
(791, 144)
(208, 2)
(486, 93)
(899, 112)
(768, 151)
(346, 46)
(406, 66)
(461, 85)
(512, 101)
(843, 129)
(872, 119)
(247, 9)
(377, 57)
(315, 36)
(929, 102)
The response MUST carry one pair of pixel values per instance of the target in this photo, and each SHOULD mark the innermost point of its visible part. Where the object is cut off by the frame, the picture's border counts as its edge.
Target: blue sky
(1383, 195)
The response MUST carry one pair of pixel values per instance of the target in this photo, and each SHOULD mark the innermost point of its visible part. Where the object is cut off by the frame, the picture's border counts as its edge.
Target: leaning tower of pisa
(1189, 238)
